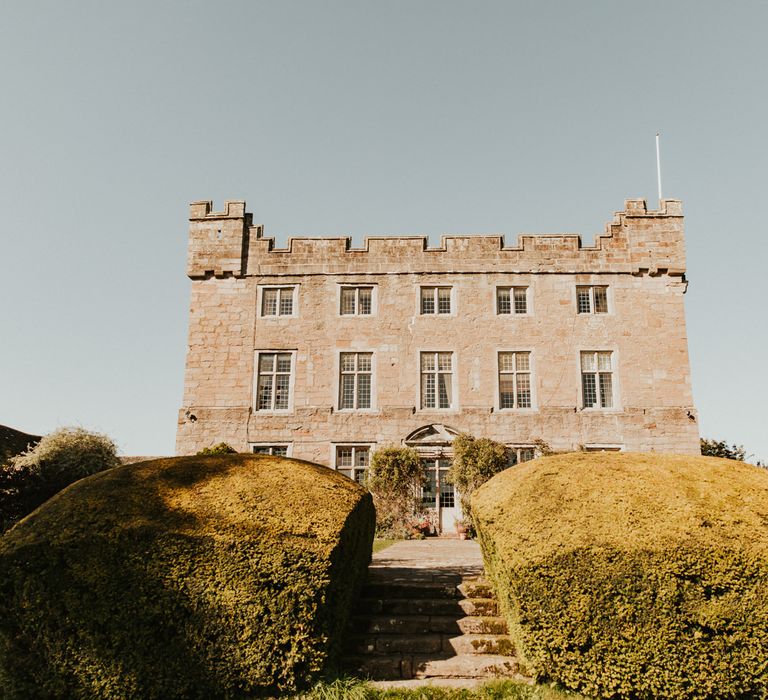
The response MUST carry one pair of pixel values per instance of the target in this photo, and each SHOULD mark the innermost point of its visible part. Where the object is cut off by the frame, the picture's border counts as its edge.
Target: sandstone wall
(641, 259)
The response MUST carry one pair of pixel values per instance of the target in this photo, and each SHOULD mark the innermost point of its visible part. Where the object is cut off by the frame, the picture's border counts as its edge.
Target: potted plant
(462, 529)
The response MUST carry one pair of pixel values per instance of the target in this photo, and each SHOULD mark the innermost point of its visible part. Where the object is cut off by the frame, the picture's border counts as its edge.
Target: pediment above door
(431, 435)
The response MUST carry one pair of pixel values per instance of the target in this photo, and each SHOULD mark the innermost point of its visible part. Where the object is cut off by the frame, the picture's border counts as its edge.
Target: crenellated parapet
(218, 241)
(636, 241)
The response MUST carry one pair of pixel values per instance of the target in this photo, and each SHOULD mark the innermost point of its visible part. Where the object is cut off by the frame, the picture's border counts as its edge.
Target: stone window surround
(455, 405)
(512, 286)
(260, 301)
(287, 445)
(371, 445)
(436, 285)
(291, 382)
(592, 283)
(517, 448)
(532, 372)
(374, 384)
(604, 447)
(615, 384)
(351, 285)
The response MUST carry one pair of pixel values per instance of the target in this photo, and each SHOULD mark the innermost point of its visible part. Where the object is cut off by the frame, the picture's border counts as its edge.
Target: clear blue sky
(354, 118)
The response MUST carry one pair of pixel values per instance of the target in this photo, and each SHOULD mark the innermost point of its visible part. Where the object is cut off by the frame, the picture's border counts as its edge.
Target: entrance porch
(433, 443)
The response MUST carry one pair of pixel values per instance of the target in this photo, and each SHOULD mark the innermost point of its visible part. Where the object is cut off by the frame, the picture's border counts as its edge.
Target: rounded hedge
(191, 577)
(633, 575)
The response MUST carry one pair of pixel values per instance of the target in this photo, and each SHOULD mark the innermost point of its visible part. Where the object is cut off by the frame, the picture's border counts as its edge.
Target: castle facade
(324, 352)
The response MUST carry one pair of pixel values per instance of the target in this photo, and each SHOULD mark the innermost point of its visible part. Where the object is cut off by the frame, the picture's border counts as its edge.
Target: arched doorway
(433, 443)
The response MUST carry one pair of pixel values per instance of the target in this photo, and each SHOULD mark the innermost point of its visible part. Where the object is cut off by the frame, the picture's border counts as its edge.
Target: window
(436, 380)
(435, 300)
(274, 381)
(429, 490)
(352, 461)
(437, 491)
(520, 453)
(603, 448)
(512, 300)
(447, 494)
(515, 380)
(277, 301)
(355, 380)
(592, 300)
(356, 301)
(275, 450)
(597, 379)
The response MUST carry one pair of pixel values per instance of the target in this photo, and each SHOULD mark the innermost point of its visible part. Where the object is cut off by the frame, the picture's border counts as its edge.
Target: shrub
(633, 575)
(720, 448)
(60, 458)
(221, 449)
(395, 478)
(189, 577)
(474, 462)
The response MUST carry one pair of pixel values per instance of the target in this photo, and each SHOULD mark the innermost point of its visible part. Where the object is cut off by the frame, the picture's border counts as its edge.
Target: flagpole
(658, 167)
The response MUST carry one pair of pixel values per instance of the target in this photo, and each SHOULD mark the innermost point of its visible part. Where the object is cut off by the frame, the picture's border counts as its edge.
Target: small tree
(475, 460)
(395, 478)
(221, 449)
(59, 459)
(720, 448)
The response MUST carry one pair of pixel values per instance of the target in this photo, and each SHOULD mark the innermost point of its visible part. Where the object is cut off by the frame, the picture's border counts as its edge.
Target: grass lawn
(352, 689)
(378, 544)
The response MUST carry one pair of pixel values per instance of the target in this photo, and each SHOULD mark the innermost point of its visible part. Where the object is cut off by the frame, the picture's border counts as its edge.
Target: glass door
(440, 495)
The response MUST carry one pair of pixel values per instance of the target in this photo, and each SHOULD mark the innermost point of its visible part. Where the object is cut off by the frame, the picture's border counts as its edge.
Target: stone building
(324, 352)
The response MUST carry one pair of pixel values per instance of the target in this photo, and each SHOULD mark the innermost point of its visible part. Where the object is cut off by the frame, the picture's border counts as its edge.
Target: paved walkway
(431, 559)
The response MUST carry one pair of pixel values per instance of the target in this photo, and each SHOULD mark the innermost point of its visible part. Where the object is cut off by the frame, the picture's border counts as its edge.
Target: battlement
(635, 241)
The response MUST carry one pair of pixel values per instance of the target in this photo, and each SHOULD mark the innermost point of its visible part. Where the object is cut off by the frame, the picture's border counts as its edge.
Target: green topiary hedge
(191, 577)
(633, 575)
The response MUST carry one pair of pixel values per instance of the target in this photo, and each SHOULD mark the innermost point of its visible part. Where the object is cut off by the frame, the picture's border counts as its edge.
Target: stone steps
(496, 644)
(483, 607)
(398, 666)
(395, 590)
(464, 666)
(425, 624)
(436, 627)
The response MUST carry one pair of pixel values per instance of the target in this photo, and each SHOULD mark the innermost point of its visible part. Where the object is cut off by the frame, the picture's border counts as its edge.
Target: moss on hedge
(190, 577)
(634, 575)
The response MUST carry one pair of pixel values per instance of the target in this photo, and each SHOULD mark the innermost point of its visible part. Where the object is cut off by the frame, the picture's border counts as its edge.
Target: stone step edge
(426, 624)
(424, 666)
(476, 588)
(391, 590)
(433, 643)
(363, 604)
(487, 666)
(458, 683)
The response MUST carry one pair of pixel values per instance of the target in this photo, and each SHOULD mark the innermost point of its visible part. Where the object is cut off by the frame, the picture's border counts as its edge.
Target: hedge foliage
(633, 575)
(191, 577)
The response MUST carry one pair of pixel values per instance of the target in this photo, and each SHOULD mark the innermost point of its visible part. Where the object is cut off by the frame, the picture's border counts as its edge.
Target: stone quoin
(323, 351)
